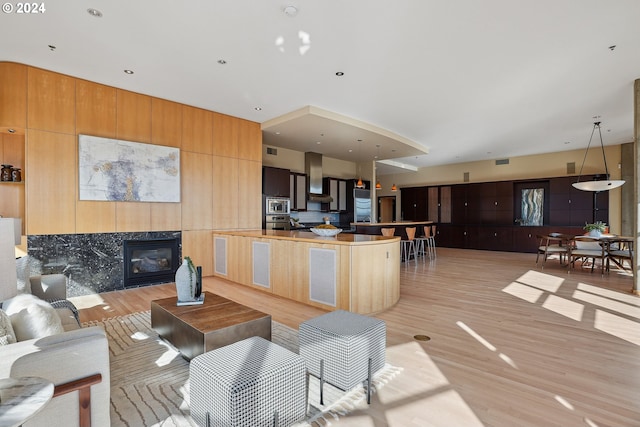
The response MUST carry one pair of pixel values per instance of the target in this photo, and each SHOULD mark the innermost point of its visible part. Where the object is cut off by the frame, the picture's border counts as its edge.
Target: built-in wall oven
(278, 206)
(277, 222)
(277, 213)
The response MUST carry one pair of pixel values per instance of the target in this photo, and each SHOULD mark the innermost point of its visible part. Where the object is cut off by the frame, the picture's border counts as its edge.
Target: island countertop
(355, 272)
(391, 224)
(308, 236)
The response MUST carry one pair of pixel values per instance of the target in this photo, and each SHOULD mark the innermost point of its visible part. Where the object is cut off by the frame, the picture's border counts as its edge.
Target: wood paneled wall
(221, 159)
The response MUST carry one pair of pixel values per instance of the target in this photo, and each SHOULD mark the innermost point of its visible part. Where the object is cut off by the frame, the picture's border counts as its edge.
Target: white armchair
(76, 361)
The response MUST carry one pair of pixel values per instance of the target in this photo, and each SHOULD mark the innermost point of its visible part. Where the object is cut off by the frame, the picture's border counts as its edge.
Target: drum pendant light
(601, 185)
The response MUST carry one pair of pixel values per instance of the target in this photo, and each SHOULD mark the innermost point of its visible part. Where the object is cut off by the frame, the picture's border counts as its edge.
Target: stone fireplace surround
(92, 262)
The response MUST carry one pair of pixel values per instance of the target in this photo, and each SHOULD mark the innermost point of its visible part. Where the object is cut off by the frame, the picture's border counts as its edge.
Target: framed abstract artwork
(125, 171)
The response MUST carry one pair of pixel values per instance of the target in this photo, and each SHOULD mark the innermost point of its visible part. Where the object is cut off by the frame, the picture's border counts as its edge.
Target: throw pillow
(7, 336)
(32, 317)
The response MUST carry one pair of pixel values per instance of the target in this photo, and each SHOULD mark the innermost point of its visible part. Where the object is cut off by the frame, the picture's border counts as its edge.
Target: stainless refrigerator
(362, 205)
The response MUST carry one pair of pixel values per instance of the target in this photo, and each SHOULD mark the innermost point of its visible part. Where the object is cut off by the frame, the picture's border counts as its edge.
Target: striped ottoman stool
(249, 383)
(343, 348)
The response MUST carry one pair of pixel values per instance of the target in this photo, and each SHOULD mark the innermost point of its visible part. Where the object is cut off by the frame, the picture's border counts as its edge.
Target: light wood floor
(511, 344)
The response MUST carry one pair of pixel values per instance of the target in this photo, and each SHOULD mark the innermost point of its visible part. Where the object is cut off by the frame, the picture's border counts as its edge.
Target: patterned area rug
(150, 380)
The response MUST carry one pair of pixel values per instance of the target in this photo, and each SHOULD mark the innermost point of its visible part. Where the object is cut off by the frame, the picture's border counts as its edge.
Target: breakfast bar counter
(353, 272)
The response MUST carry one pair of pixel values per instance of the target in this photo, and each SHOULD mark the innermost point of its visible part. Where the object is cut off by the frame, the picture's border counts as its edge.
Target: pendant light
(378, 186)
(394, 188)
(359, 184)
(601, 185)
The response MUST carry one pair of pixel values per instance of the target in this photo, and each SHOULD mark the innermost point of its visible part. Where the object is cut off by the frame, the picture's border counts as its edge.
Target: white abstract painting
(124, 171)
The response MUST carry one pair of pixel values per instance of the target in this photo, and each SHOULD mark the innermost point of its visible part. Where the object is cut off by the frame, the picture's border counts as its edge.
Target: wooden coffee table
(195, 329)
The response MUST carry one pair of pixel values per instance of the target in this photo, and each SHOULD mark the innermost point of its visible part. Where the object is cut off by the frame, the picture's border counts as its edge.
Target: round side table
(22, 398)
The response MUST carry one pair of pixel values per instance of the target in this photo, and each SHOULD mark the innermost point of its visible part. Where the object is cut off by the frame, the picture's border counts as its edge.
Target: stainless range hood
(313, 169)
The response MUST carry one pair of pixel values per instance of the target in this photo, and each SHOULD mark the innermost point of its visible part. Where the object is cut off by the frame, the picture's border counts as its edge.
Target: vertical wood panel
(12, 150)
(95, 109)
(51, 101)
(197, 130)
(225, 193)
(95, 217)
(133, 216)
(166, 216)
(51, 181)
(225, 135)
(166, 123)
(249, 141)
(197, 199)
(249, 194)
(133, 116)
(13, 96)
(199, 246)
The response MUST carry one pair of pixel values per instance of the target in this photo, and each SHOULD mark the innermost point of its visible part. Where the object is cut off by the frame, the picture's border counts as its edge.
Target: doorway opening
(387, 209)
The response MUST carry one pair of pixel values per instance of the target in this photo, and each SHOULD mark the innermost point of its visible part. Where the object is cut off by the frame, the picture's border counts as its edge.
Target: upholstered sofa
(67, 359)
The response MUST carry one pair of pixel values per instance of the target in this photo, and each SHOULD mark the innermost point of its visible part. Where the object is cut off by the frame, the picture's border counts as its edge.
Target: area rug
(150, 380)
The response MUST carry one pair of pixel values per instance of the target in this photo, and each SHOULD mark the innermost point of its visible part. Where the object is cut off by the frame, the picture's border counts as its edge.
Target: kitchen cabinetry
(337, 189)
(275, 182)
(414, 203)
(439, 204)
(298, 191)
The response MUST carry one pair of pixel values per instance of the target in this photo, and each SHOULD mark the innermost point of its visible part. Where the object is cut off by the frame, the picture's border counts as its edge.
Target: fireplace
(150, 261)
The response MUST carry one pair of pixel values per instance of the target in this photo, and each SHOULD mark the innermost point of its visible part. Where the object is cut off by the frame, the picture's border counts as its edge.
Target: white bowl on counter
(326, 232)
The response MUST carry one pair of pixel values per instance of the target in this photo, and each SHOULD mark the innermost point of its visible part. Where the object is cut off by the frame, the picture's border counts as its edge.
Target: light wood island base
(352, 272)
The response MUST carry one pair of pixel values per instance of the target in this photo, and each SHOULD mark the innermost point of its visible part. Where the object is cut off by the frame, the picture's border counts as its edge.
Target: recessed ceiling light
(257, 108)
(612, 47)
(128, 72)
(95, 13)
(277, 133)
(339, 74)
(52, 47)
(221, 61)
(567, 142)
(290, 11)
(318, 142)
(350, 150)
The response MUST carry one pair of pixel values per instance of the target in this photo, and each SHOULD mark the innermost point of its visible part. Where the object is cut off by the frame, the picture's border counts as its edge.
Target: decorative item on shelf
(599, 185)
(595, 229)
(186, 283)
(16, 175)
(6, 173)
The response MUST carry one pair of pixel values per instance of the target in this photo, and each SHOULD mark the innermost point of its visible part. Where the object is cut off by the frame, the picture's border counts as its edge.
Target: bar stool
(430, 240)
(408, 245)
(388, 231)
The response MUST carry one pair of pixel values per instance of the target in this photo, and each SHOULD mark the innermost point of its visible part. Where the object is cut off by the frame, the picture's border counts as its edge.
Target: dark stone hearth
(92, 262)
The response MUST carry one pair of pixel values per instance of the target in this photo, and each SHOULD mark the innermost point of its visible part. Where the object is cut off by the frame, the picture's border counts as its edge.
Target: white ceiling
(463, 80)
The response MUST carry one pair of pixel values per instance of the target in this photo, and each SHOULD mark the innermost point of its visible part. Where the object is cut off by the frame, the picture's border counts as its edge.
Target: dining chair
(619, 251)
(408, 245)
(552, 244)
(584, 248)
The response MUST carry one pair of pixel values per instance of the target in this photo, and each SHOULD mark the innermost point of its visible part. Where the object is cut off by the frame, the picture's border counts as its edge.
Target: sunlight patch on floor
(476, 335)
(432, 395)
(87, 301)
(564, 307)
(619, 307)
(618, 326)
(524, 292)
(166, 357)
(627, 298)
(546, 282)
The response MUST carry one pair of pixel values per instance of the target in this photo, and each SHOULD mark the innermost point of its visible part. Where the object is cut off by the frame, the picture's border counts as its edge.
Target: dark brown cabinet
(298, 191)
(486, 215)
(414, 203)
(275, 182)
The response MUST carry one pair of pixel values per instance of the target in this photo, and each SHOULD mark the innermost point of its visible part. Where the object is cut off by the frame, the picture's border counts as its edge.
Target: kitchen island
(374, 228)
(353, 272)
